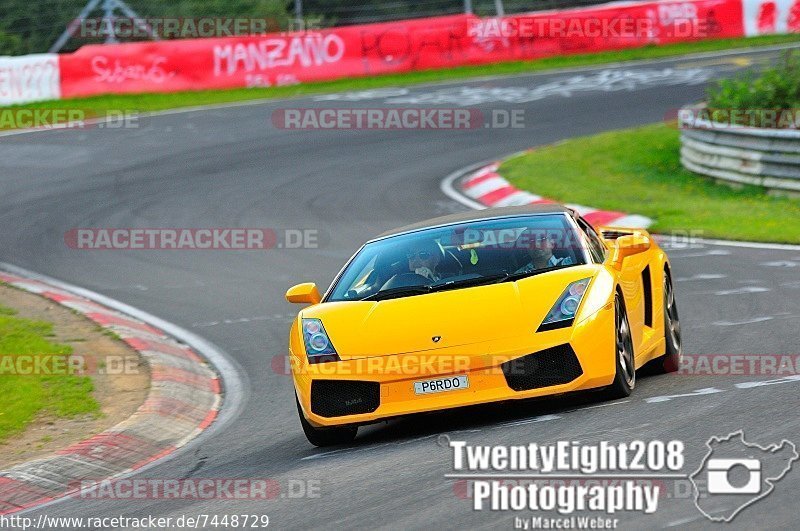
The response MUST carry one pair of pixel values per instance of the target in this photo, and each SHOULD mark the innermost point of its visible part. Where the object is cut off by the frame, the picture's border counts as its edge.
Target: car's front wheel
(326, 436)
(625, 377)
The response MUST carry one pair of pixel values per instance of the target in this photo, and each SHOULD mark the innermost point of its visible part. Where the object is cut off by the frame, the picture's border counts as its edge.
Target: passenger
(424, 258)
(540, 251)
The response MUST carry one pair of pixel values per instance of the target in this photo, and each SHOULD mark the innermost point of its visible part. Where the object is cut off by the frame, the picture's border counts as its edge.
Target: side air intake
(554, 366)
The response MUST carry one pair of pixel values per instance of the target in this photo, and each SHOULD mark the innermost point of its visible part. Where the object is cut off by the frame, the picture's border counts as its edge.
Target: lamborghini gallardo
(484, 306)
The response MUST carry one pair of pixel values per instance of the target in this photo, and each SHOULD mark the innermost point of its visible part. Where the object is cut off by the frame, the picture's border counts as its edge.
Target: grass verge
(98, 105)
(25, 396)
(638, 171)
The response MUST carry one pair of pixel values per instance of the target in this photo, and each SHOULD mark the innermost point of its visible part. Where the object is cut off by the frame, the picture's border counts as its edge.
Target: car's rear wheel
(326, 436)
(671, 360)
(625, 377)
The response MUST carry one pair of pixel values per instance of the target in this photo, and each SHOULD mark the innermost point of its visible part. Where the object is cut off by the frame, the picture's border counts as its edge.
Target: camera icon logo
(720, 471)
(735, 474)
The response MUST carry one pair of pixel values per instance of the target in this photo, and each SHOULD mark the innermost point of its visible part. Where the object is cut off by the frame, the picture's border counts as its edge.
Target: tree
(32, 26)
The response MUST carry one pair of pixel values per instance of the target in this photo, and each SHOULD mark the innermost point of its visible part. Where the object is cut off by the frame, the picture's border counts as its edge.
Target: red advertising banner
(284, 59)
(768, 17)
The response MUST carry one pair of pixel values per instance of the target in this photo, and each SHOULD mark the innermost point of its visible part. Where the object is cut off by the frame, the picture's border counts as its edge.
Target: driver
(423, 258)
(540, 251)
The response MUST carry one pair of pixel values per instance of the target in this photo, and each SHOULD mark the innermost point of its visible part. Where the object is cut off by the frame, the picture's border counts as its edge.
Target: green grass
(98, 105)
(639, 171)
(26, 396)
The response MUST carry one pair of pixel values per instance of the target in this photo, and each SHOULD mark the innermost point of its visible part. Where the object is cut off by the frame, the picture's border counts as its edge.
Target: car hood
(457, 317)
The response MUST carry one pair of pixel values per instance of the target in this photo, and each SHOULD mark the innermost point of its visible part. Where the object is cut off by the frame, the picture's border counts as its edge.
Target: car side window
(596, 247)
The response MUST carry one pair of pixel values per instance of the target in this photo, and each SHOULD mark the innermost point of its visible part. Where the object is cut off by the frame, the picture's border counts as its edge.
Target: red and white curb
(489, 189)
(184, 400)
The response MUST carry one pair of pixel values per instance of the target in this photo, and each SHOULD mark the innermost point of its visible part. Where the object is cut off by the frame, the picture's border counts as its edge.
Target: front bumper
(383, 387)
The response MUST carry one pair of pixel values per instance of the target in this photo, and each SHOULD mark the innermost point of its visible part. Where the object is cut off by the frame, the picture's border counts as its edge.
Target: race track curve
(230, 167)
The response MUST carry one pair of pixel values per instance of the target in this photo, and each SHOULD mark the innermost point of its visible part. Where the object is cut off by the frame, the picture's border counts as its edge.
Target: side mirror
(630, 245)
(304, 294)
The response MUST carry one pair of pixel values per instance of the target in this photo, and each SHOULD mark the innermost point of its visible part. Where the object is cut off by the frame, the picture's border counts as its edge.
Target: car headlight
(562, 314)
(319, 348)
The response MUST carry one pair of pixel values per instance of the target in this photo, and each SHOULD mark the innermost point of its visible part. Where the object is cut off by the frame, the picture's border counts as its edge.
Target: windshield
(457, 256)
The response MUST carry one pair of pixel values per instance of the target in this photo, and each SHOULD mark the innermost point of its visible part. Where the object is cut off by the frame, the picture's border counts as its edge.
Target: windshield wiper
(476, 281)
(393, 293)
(404, 291)
(516, 276)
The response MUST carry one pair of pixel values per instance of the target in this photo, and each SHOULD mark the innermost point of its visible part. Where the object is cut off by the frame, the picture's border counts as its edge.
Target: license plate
(441, 385)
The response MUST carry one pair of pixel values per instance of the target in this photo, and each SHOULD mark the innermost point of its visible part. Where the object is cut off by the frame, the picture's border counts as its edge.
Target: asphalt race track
(230, 167)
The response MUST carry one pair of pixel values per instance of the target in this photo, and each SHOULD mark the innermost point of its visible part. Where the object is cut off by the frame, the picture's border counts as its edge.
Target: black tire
(326, 436)
(671, 360)
(625, 377)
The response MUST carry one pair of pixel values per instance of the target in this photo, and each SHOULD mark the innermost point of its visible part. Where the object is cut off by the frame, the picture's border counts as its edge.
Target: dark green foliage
(761, 95)
(32, 26)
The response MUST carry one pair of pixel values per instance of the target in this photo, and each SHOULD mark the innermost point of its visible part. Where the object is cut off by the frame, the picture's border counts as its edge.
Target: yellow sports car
(479, 307)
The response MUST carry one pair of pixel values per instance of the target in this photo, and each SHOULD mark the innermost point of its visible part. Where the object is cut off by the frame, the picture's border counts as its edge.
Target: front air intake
(338, 398)
(554, 366)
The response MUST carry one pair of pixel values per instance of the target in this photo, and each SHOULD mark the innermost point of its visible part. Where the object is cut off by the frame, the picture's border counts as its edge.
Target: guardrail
(737, 155)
